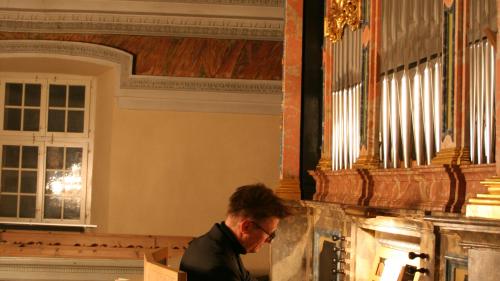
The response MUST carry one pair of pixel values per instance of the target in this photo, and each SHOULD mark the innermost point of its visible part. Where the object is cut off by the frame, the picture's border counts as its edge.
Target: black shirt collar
(235, 244)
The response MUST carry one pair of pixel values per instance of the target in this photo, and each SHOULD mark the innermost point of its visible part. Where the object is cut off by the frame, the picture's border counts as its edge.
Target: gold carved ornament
(339, 14)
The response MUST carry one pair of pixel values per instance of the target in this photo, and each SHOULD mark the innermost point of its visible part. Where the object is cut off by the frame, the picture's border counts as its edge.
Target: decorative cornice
(203, 84)
(142, 25)
(267, 3)
(160, 92)
(241, 19)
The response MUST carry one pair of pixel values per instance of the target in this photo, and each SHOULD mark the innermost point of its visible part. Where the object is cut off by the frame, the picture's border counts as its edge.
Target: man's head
(253, 215)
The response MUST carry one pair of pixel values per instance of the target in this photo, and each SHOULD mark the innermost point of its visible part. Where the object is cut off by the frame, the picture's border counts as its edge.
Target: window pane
(71, 208)
(76, 96)
(56, 121)
(54, 182)
(9, 180)
(13, 93)
(55, 157)
(12, 119)
(57, 95)
(8, 205)
(52, 207)
(10, 156)
(73, 157)
(75, 121)
(32, 95)
(30, 157)
(31, 120)
(27, 207)
(28, 181)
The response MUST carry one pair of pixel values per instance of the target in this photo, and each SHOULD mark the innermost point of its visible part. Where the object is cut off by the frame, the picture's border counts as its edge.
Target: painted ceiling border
(161, 92)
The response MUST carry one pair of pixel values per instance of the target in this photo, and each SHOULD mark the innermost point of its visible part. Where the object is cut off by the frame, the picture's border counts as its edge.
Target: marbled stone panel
(425, 188)
(291, 251)
(184, 57)
(430, 188)
(346, 187)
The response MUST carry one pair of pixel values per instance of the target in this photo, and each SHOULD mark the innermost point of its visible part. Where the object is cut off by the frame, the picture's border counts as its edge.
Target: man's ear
(245, 226)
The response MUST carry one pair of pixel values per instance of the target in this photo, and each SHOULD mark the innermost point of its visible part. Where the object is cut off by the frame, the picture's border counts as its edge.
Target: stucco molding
(160, 92)
(206, 26)
(268, 3)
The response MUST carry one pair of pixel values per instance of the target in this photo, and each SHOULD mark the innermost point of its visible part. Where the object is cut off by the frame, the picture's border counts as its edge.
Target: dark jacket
(215, 256)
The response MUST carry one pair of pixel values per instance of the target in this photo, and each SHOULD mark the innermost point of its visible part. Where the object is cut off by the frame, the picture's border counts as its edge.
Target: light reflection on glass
(65, 183)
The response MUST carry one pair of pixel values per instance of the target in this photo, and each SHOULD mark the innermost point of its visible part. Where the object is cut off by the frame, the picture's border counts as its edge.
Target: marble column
(289, 187)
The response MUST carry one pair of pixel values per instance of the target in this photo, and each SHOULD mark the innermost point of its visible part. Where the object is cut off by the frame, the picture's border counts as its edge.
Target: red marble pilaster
(497, 94)
(325, 162)
(292, 81)
(369, 155)
(455, 148)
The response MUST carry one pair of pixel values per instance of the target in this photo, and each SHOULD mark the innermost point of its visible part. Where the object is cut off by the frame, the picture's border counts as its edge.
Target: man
(252, 219)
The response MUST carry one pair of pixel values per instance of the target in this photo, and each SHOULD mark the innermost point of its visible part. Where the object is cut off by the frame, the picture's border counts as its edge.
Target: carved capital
(367, 162)
(289, 189)
(325, 164)
(452, 156)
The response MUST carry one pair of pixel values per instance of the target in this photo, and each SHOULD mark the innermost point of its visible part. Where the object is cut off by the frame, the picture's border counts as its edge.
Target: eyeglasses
(270, 236)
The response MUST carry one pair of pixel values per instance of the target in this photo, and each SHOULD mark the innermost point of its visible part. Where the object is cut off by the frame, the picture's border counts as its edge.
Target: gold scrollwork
(341, 13)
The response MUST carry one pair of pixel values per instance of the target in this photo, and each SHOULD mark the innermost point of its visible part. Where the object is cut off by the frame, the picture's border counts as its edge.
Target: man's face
(258, 233)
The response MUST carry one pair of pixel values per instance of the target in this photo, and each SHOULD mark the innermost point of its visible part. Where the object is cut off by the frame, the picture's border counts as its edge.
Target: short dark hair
(257, 202)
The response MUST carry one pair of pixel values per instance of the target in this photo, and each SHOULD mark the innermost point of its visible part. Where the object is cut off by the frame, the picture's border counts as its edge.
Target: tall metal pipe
(416, 116)
(437, 105)
(491, 117)
(394, 123)
(350, 123)
(472, 102)
(385, 122)
(428, 118)
(405, 120)
(345, 128)
(334, 135)
(480, 109)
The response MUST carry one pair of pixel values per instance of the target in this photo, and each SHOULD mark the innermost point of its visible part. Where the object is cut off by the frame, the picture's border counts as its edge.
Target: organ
(407, 172)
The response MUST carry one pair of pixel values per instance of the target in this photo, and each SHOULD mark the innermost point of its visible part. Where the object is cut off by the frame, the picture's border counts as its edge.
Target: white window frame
(42, 139)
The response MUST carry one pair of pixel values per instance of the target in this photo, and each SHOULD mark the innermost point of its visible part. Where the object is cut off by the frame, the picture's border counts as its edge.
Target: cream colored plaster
(107, 84)
(172, 173)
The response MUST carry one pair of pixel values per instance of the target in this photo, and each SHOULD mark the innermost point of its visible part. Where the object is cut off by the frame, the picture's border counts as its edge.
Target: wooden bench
(156, 268)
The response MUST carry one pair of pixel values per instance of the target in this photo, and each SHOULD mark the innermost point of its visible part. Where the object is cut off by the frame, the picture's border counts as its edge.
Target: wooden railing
(156, 269)
(22, 243)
